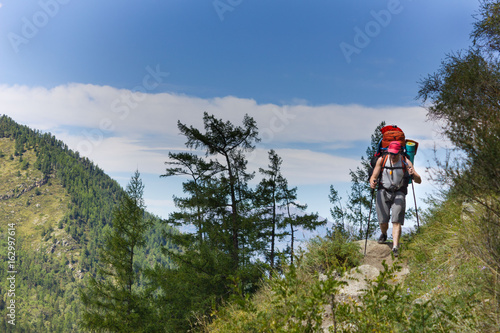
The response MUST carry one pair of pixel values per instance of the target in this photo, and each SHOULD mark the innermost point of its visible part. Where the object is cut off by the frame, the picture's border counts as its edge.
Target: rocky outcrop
(23, 188)
(370, 268)
(357, 278)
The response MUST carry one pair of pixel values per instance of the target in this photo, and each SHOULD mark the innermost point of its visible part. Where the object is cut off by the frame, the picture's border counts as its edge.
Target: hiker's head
(394, 147)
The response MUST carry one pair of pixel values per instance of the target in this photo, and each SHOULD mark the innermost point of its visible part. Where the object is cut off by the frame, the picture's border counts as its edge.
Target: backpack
(403, 186)
(389, 133)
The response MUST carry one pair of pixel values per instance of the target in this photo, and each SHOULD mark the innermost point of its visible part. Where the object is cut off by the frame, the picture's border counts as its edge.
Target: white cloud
(70, 105)
(303, 166)
(118, 154)
(120, 130)
(122, 112)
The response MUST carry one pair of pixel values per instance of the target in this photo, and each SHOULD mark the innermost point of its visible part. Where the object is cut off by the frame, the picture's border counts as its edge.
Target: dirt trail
(369, 269)
(376, 253)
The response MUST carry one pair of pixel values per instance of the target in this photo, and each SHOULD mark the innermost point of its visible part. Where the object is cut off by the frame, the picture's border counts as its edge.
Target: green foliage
(294, 300)
(196, 209)
(486, 32)
(446, 270)
(294, 309)
(356, 213)
(112, 301)
(72, 193)
(463, 94)
(445, 291)
(332, 252)
(43, 303)
(380, 308)
(198, 284)
(274, 201)
(289, 302)
(269, 195)
(386, 307)
(233, 224)
(229, 143)
(220, 251)
(25, 165)
(454, 258)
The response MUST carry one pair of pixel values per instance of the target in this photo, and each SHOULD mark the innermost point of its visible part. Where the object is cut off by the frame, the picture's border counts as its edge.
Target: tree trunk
(234, 213)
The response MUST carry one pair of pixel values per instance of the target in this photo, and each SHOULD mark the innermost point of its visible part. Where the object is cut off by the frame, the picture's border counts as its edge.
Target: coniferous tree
(338, 214)
(228, 143)
(269, 198)
(92, 198)
(213, 261)
(357, 210)
(195, 209)
(295, 216)
(280, 209)
(111, 299)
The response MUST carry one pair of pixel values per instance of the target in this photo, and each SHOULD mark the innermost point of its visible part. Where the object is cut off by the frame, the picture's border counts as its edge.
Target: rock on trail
(370, 268)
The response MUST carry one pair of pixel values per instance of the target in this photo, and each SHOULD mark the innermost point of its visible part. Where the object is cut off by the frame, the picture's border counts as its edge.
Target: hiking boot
(382, 238)
(395, 251)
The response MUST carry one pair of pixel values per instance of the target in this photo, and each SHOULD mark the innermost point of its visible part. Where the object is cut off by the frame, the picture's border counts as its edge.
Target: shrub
(293, 300)
(332, 252)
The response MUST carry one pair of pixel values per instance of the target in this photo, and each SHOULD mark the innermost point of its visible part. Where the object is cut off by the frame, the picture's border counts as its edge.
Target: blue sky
(111, 78)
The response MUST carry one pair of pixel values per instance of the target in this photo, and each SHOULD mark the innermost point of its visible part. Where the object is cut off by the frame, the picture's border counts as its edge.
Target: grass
(295, 299)
(35, 213)
(447, 272)
(12, 172)
(450, 288)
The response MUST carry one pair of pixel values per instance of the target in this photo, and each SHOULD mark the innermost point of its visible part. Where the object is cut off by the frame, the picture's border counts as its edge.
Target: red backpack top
(392, 133)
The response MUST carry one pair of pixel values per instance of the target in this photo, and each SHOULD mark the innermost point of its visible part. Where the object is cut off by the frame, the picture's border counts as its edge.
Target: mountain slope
(54, 209)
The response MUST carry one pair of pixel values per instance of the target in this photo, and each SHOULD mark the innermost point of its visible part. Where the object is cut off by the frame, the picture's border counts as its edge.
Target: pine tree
(195, 209)
(229, 144)
(111, 299)
(359, 200)
(296, 219)
(269, 197)
(213, 261)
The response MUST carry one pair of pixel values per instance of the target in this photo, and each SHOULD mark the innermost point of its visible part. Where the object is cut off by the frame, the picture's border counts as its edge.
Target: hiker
(392, 190)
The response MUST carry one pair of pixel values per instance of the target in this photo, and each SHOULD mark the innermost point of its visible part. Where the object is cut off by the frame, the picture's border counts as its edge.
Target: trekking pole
(369, 219)
(415, 200)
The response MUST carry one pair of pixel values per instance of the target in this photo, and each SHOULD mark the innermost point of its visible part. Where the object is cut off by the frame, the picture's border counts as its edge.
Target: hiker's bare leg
(384, 227)
(396, 234)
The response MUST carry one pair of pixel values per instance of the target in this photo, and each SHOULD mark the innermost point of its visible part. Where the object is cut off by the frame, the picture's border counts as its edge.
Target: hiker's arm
(375, 174)
(413, 173)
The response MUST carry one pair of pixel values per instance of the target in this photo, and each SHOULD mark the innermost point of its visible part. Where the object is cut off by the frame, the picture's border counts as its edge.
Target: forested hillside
(54, 209)
(79, 255)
